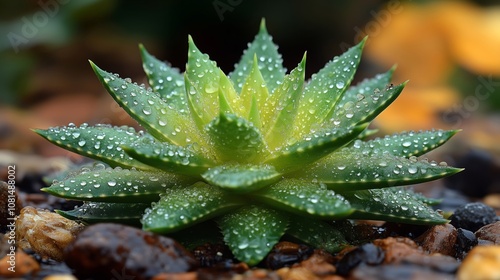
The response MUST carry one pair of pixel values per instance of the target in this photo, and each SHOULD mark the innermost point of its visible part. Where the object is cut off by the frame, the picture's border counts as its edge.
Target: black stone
(473, 216)
(107, 251)
(466, 240)
(366, 254)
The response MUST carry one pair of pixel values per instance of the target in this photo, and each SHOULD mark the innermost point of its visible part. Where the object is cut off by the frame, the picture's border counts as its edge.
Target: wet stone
(106, 250)
(466, 240)
(364, 254)
(439, 239)
(473, 216)
(286, 254)
(490, 233)
(397, 248)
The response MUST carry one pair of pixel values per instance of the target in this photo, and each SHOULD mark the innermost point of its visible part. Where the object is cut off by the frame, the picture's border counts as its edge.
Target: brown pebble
(176, 276)
(482, 262)
(396, 248)
(108, 251)
(296, 273)
(320, 263)
(10, 206)
(439, 239)
(490, 232)
(45, 232)
(18, 265)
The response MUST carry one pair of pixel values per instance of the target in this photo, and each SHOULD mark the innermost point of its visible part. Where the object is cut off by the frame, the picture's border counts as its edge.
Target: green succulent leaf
(407, 144)
(312, 148)
(116, 185)
(391, 204)
(269, 60)
(165, 80)
(181, 207)
(168, 157)
(361, 109)
(251, 232)
(316, 233)
(105, 212)
(281, 108)
(325, 89)
(209, 90)
(147, 108)
(350, 169)
(304, 198)
(255, 94)
(241, 178)
(100, 142)
(236, 139)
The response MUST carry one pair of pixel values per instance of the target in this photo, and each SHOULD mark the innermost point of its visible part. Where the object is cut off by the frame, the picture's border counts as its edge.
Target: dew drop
(340, 84)
(111, 183)
(81, 143)
(146, 110)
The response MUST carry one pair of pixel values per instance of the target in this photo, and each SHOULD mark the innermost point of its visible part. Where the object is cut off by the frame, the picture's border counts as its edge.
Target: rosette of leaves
(259, 153)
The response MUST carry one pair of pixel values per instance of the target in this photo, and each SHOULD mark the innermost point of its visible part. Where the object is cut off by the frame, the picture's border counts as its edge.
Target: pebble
(24, 265)
(367, 254)
(482, 262)
(286, 254)
(473, 216)
(396, 248)
(466, 240)
(6, 200)
(45, 232)
(107, 251)
(490, 232)
(320, 263)
(439, 239)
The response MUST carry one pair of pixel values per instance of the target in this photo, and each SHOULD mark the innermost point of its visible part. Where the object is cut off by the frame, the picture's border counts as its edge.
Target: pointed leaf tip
(263, 27)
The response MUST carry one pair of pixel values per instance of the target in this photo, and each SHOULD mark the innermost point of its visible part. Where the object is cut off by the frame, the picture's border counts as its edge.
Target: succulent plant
(261, 154)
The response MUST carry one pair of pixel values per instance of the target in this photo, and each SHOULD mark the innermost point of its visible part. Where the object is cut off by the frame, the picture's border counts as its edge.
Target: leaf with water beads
(394, 205)
(325, 88)
(168, 157)
(407, 144)
(254, 95)
(241, 178)
(350, 169)
(100, 142)
(181, 207)
(165, 80)
(281, 108)
(236, 139)
(269, 61)
(363, 108)
(104, 212)
(147, 108)
(251, 232)
(312, 148)
(116, 185)
(205, 82)
(304, 198)
(316, 233)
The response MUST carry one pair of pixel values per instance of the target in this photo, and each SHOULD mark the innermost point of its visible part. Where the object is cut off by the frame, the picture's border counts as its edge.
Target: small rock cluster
(52, 247)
